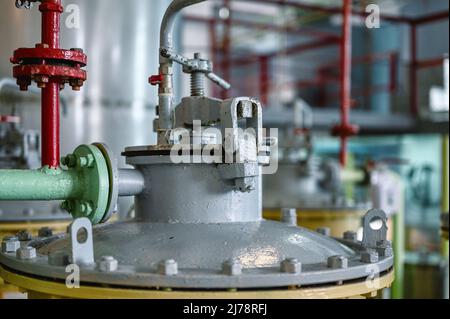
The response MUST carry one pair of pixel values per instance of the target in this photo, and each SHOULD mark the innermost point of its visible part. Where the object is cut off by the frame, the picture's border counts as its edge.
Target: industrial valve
(198, 68)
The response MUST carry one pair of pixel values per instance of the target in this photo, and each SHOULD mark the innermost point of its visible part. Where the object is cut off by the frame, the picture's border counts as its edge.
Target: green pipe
(84, 185)
(41, 184)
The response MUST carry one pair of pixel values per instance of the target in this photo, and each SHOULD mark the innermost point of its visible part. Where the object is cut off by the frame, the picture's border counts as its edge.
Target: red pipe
(214, 56)
(345, 129)
(346, 64)
(50, 117)
(264, 79)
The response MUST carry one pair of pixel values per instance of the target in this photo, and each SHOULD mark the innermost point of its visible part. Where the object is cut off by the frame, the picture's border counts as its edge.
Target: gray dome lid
(197, 254)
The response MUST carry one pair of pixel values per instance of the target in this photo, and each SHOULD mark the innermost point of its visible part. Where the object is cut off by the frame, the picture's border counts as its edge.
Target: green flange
(84, 185)
(90, 165)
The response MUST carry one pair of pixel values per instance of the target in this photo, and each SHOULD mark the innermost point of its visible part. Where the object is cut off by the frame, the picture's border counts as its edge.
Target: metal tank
(198, 231)
(312, 186)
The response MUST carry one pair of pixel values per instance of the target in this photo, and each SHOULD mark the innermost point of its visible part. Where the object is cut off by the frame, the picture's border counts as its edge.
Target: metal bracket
(81, 242)
(373, 237)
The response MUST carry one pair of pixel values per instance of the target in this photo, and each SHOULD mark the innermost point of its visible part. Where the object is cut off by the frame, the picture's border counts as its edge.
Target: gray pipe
(131, 182)
(166, 87)
(169, 20)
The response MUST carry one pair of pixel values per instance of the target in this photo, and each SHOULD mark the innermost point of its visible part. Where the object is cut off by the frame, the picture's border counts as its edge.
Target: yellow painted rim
(317, 215)
(444, 233)
(57, 289)
(6, 226)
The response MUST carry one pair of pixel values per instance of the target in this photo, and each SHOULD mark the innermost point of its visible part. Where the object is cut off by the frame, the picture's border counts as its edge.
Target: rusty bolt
(42, 46)
(76, 84)
(77, 50)
(41, 81)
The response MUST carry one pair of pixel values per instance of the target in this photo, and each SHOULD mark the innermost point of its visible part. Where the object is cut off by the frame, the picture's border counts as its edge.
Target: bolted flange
(91, 166)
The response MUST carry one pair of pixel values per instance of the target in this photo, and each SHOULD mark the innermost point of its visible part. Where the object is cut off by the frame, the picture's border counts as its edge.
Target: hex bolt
(384, 248)
(324, 231)
(26, 253)
(77, 50)
(69, 160)
(291, 266)
(337, 262)
(231, 268)
(24, 235)
(59, 258)
(86, 161)
(289, 216)
(168, 267)
(369, 257)
(86, 208)
(350, 235)
(108, 264)
(45, 232)
(10, 244)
